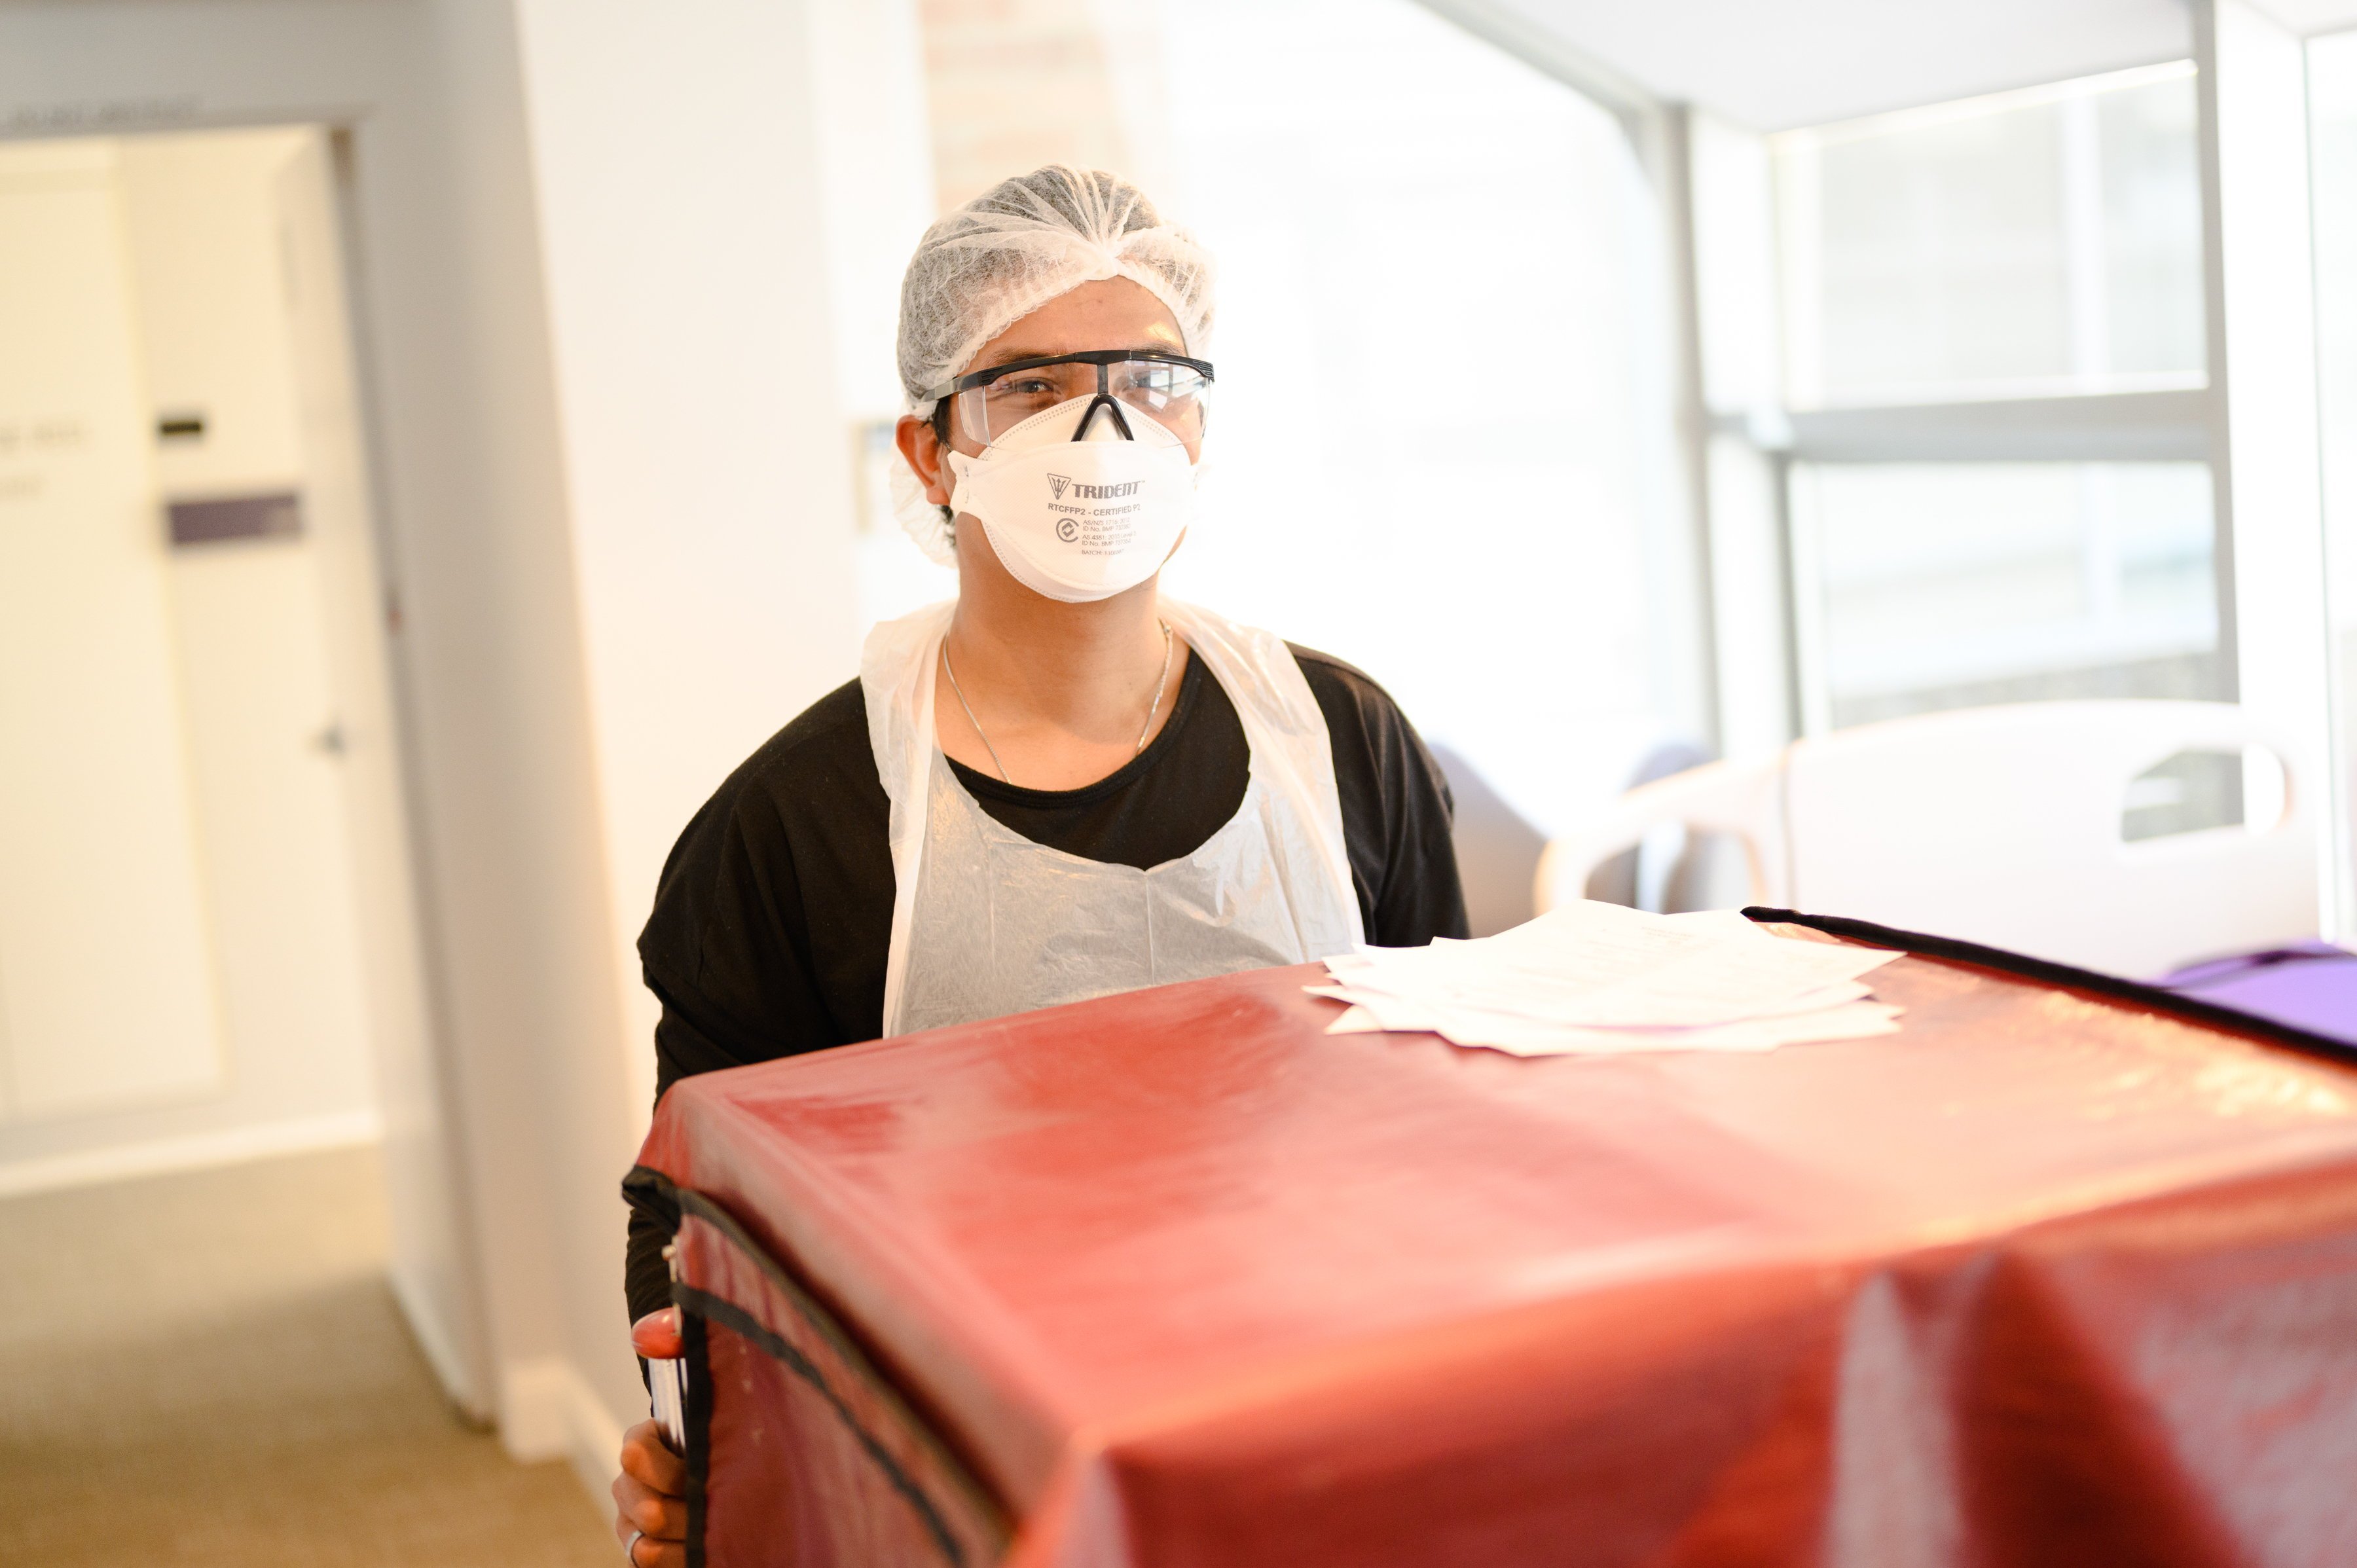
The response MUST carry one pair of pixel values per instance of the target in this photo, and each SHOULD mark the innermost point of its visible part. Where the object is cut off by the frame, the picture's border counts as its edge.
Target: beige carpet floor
(209, 1369)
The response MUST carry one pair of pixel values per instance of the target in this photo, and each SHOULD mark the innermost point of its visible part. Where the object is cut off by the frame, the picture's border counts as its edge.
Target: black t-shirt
(774, 914)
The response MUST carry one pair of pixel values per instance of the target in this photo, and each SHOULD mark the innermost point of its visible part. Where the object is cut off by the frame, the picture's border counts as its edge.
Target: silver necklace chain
(1144, 730)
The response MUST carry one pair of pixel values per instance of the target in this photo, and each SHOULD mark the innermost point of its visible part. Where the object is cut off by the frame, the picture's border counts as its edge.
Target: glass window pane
(2031, 244)
(2152, 232)
(1430, 452)
(1949, 585)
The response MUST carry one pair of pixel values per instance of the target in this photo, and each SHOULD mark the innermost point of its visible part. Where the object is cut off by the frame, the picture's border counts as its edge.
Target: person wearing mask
(1061, 784)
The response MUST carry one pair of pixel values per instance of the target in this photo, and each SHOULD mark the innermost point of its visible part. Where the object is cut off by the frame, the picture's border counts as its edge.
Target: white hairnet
(1007, 252)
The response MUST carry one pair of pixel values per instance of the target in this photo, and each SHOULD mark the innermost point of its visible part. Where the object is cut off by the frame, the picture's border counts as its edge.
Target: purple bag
(2312, 987)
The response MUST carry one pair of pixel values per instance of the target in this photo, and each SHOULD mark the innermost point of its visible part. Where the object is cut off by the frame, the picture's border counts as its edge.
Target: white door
(430, 1264)
(107, 987)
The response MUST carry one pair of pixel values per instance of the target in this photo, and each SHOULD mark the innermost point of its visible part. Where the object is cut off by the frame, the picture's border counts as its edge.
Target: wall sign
(278, 514)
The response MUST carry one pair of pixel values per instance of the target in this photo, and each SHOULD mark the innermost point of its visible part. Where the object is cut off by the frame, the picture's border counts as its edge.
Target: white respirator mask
(1082, 501)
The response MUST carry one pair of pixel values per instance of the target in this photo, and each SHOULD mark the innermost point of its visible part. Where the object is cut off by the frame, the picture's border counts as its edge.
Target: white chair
(1999, 825)
(1745, 799)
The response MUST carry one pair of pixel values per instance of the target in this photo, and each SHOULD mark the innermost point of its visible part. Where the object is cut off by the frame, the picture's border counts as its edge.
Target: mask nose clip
(1106, 400)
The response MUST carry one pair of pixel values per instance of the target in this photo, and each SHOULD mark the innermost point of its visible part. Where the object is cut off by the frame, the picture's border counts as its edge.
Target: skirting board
(547, 1410)
(196, 1151)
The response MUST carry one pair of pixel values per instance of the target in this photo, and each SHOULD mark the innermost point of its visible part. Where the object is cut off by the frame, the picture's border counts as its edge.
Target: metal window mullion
(2213, 316)
(1804, 692)
(2120, 427)
(2259, 224)
(1674, 183)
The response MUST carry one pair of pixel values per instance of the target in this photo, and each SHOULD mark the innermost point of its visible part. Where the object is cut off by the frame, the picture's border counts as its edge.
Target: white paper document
(1600, 979)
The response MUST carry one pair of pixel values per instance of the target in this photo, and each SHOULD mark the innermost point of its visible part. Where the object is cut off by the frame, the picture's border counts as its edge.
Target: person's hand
(650, 1501)
(650, 1494)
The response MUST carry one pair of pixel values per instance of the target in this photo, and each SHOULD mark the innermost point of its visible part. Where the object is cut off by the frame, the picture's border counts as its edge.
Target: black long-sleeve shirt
(774, 914)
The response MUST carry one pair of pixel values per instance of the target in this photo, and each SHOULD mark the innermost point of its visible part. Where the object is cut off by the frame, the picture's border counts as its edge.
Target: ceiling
(2313, 17)
(1773, 64)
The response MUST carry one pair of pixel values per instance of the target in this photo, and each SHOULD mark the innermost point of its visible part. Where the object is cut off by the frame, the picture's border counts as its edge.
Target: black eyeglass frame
(1103, 359)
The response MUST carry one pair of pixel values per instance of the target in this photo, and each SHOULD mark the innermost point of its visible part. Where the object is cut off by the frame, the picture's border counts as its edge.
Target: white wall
(517, 863)
(878, 174)
(446, 260)
(200, 214)
(876, 168)
(107, 979)
(206, 307)
(612, 424)
(707, 441)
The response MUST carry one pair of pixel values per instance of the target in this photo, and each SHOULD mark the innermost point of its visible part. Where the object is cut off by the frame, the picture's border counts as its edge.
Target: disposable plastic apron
(986, 922)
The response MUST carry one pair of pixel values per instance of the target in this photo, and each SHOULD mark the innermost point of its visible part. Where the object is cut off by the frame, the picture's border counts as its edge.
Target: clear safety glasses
(1168, 387)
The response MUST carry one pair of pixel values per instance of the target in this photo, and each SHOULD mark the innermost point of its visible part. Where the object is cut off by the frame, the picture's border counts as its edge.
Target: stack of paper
(1601, 979)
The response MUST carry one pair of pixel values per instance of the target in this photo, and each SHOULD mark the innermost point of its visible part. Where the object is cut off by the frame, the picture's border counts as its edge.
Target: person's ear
(922, 446)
